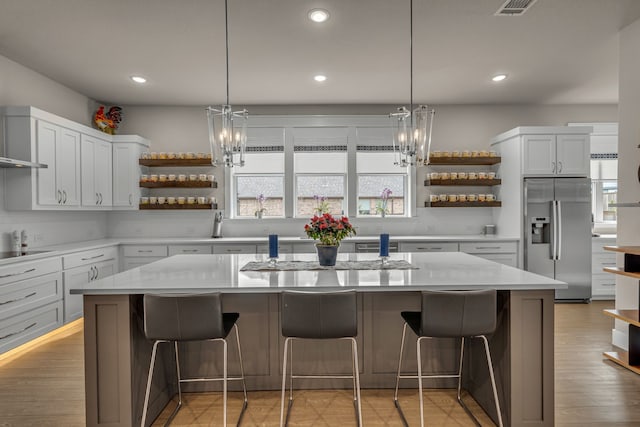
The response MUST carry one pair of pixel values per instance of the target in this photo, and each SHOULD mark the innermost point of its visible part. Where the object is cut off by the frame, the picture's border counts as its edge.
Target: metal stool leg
(244, 385)
(418, 343)
(493, 380)
(395, 395)
(284, 381)
(224, 383)
(354, 351)
(460, 370)
(149, 377)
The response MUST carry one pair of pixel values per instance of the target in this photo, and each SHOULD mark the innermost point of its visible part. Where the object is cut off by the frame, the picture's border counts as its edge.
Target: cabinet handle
(91, 273)
(64, 197)
(97, 273)
(92, 257)
(146, 251)
(18, 332)
(130, 199)
(487, 247)
(189, 251)
(100, 199)
(18, 299)
(553, 167)
(97, 199)
(234, 250)
(59, 198)
(559, 167)
(17, 274)
(608, 284)
(608, 263)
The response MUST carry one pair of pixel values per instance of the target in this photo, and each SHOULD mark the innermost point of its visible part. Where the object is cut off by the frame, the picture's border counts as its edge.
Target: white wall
(456, 126)
(22, 86)
(628, 163)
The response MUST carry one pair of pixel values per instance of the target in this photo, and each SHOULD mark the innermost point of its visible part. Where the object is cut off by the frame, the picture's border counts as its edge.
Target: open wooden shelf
(629, 316)
(621, 357)
(464, 160)
(174, 162)
(463, 182)
(179, 184)
(176, 206)
(617, 270)
(634, 250)
(494, 204)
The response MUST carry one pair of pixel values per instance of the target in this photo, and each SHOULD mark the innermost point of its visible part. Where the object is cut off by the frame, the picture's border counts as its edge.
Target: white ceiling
(560, 51)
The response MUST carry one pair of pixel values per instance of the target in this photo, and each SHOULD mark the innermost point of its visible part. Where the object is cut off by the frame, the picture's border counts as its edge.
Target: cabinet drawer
(135, 262)
(488, 247)
(22, 296)
(189, 249)
(506, 259)
(603, 284)
(602, 260)
(145, 250)
(89, 257)
(428, 247)
(25, 270)
(282, 249)
(234, 249)
(19, 329)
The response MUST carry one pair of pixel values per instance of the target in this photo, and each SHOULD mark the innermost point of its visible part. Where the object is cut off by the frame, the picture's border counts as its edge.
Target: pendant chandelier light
(412, 128)
(227, 128)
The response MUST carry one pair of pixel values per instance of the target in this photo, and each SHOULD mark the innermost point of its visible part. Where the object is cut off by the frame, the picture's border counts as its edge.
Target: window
(604, 193)
(380, 179)
(262, 177)
(320, 181)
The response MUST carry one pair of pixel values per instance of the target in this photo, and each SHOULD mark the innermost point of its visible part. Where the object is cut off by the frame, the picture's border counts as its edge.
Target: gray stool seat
(451, 314)
(182, 318)
(319, 315)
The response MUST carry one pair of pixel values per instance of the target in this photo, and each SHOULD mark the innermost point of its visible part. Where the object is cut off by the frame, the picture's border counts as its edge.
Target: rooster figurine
(108, 123)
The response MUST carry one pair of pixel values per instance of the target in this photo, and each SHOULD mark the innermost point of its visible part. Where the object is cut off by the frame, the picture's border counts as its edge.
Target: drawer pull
(18, 299)
(487, 247)
(607, 284)
(608, 263)
(18, 332)
(147, 251)
(234, 250)
(92, 257)
(189, 251)
(17, 274)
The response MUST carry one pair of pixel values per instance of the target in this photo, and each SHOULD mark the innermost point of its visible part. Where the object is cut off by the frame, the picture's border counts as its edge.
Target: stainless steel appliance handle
(554, 224)
(559, 210)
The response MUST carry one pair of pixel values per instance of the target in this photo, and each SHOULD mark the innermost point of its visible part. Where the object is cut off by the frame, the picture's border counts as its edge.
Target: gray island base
(117, 354)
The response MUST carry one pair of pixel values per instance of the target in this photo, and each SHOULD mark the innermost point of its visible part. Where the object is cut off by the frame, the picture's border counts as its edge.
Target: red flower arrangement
(329, 230)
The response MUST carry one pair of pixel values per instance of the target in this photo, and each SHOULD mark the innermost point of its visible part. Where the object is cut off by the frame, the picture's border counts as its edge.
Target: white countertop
(209, 273)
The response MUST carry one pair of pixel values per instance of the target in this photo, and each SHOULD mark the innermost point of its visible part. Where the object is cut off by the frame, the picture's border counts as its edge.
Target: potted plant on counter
(329, 231)
(381, 206)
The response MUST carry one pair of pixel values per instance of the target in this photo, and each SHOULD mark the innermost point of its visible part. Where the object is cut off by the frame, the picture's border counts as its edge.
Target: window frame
(405, 182)
(345, 202)
(234, 186)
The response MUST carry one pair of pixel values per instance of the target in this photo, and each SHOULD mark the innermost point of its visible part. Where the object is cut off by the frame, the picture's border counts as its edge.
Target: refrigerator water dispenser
(540, 230)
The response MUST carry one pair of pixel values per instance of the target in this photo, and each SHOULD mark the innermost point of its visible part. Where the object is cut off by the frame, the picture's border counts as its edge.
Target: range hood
(13, 163)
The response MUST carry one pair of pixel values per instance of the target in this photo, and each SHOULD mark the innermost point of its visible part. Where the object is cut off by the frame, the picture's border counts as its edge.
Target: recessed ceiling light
(318, 15)
(499, 77)
(320, 78)
(138, 79)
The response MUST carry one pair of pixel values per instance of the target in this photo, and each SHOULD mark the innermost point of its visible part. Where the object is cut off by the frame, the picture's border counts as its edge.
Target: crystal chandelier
(412, 128)
(227, 128)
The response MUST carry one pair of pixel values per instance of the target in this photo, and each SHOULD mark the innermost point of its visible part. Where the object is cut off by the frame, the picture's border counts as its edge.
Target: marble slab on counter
(209, 273)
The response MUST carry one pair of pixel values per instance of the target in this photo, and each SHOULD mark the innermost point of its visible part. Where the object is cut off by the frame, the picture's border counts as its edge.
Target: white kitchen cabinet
(563, 154)
(189, 249)
(126, 170)
(81, 268)
(428, 247)
(242, 248)
(30, 300)
(138, 255)
(96, 171)
(501, 252)
(603, 285)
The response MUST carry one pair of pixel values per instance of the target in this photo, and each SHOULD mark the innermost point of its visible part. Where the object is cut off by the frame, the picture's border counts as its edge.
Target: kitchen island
(117, 354)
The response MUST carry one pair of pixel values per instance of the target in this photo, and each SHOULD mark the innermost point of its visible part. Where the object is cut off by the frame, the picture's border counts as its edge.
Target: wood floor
(45, 387)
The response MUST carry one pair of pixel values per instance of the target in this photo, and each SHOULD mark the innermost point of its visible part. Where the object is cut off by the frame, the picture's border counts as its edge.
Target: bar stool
(455, 314)
(179, 318)
(315, 315)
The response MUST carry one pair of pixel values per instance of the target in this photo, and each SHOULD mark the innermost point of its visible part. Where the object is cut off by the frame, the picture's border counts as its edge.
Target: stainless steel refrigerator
(557, 236)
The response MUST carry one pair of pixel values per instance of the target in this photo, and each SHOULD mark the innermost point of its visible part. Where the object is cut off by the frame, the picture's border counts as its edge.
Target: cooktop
(5, 255)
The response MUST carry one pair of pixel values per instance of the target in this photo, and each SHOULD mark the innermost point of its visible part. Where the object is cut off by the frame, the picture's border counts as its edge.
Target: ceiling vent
(515, 7)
